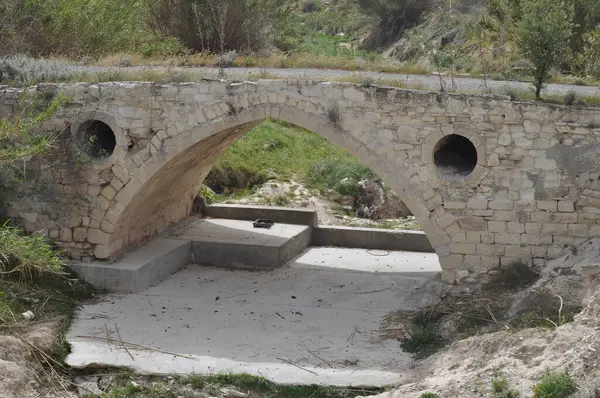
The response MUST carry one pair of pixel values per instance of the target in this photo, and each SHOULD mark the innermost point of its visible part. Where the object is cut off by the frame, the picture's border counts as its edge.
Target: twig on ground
(560, 308)
(298, 366)
(108, 336)
(374, 291)
(279, 315)
(489, 310)
(122, 343)
(134, 345)
(319, 358)
(551, 321)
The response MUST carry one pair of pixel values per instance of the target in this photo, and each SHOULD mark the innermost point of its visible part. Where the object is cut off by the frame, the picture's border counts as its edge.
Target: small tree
(543, 34)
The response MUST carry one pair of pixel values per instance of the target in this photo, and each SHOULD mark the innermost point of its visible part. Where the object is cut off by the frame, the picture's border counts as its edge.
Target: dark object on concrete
(370, 238)
(280, 215)
(263, 223)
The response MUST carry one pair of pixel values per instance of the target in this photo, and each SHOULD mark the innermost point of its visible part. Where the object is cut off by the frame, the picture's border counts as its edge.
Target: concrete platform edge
(140, 269)
(281, 215)
(371, 238)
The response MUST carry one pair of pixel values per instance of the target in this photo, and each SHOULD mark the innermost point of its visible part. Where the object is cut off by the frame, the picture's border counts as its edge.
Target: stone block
(505, 215)
(550, 205)
(501, 204)
(515, 227)
(98, 237)
(463, 248)
(490, 249)
(511, 239)
(566, 206)
(79, 234)
(472, 223)
(452, 262)
(479, 204)
(66, 234)
(496, 226)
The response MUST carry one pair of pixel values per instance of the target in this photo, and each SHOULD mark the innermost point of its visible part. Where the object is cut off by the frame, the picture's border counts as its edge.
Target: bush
(429, 395)
(226, 60)
(555, 385)
(71, 27)
(27, 257)
(340, 174)
(24, 70)
(207, 25)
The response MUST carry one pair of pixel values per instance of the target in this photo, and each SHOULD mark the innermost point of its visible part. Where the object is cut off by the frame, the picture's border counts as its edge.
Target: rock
(229, 393)
(89, 389)
(375, 203)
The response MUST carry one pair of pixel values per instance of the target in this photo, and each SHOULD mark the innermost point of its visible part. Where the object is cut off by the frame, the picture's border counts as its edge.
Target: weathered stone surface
(532, 189)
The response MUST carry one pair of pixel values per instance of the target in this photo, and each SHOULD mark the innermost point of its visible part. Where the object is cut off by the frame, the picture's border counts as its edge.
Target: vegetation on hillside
(454, 36)
(278, 149)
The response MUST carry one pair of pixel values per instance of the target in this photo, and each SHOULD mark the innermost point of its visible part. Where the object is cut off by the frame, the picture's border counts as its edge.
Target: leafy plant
(543, 36)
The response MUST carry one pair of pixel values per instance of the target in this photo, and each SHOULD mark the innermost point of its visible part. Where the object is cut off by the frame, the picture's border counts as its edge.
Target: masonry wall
(532, 194)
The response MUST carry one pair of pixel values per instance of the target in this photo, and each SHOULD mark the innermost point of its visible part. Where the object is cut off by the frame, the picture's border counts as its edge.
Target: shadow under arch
(165, 186)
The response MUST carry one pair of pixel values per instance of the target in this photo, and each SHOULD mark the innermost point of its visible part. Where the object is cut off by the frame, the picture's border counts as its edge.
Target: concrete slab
(365, 260)
(371, 238)
(284, 215)
(236, 243)
(243, 321)
(139, 269)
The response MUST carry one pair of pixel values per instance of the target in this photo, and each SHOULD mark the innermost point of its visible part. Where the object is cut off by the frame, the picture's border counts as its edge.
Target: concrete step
(237, 244)
(143, 267)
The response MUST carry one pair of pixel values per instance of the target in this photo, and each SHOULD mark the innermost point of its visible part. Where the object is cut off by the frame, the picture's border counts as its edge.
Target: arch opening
(455, 156)
(97, 139)
(168, 193)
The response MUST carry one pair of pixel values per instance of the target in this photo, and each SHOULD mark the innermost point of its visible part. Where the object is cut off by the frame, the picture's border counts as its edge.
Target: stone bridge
(492, 181)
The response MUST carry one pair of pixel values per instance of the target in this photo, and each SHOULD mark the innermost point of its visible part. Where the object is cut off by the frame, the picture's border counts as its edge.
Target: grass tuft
(424, 338)
(500, 388)
(27, 257)
(555, 385)
(429, 395)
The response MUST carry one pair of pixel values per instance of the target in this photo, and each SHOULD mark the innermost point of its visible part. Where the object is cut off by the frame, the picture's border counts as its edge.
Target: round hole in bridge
(97, 138)
(455, 156)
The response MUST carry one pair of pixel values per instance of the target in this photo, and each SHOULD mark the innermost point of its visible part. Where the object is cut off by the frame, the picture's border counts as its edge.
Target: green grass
(254, 385)
(290, 152)
(424, 338)
(555, 385)
(501, 389)
(429, 395)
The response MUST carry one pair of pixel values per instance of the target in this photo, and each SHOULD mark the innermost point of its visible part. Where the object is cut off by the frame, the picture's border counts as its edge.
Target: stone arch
(160, 189)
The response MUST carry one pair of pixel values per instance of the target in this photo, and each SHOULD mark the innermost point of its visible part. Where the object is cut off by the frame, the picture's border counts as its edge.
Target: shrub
(310, 6)
(226, 60)
(543, 35)
(555, 385)
(429, 395)
(25, 70)
(27, 257)
(217, 26)
(392, 18)
(340, 174)
(424, 338)
(71, 27)
(501, 390)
